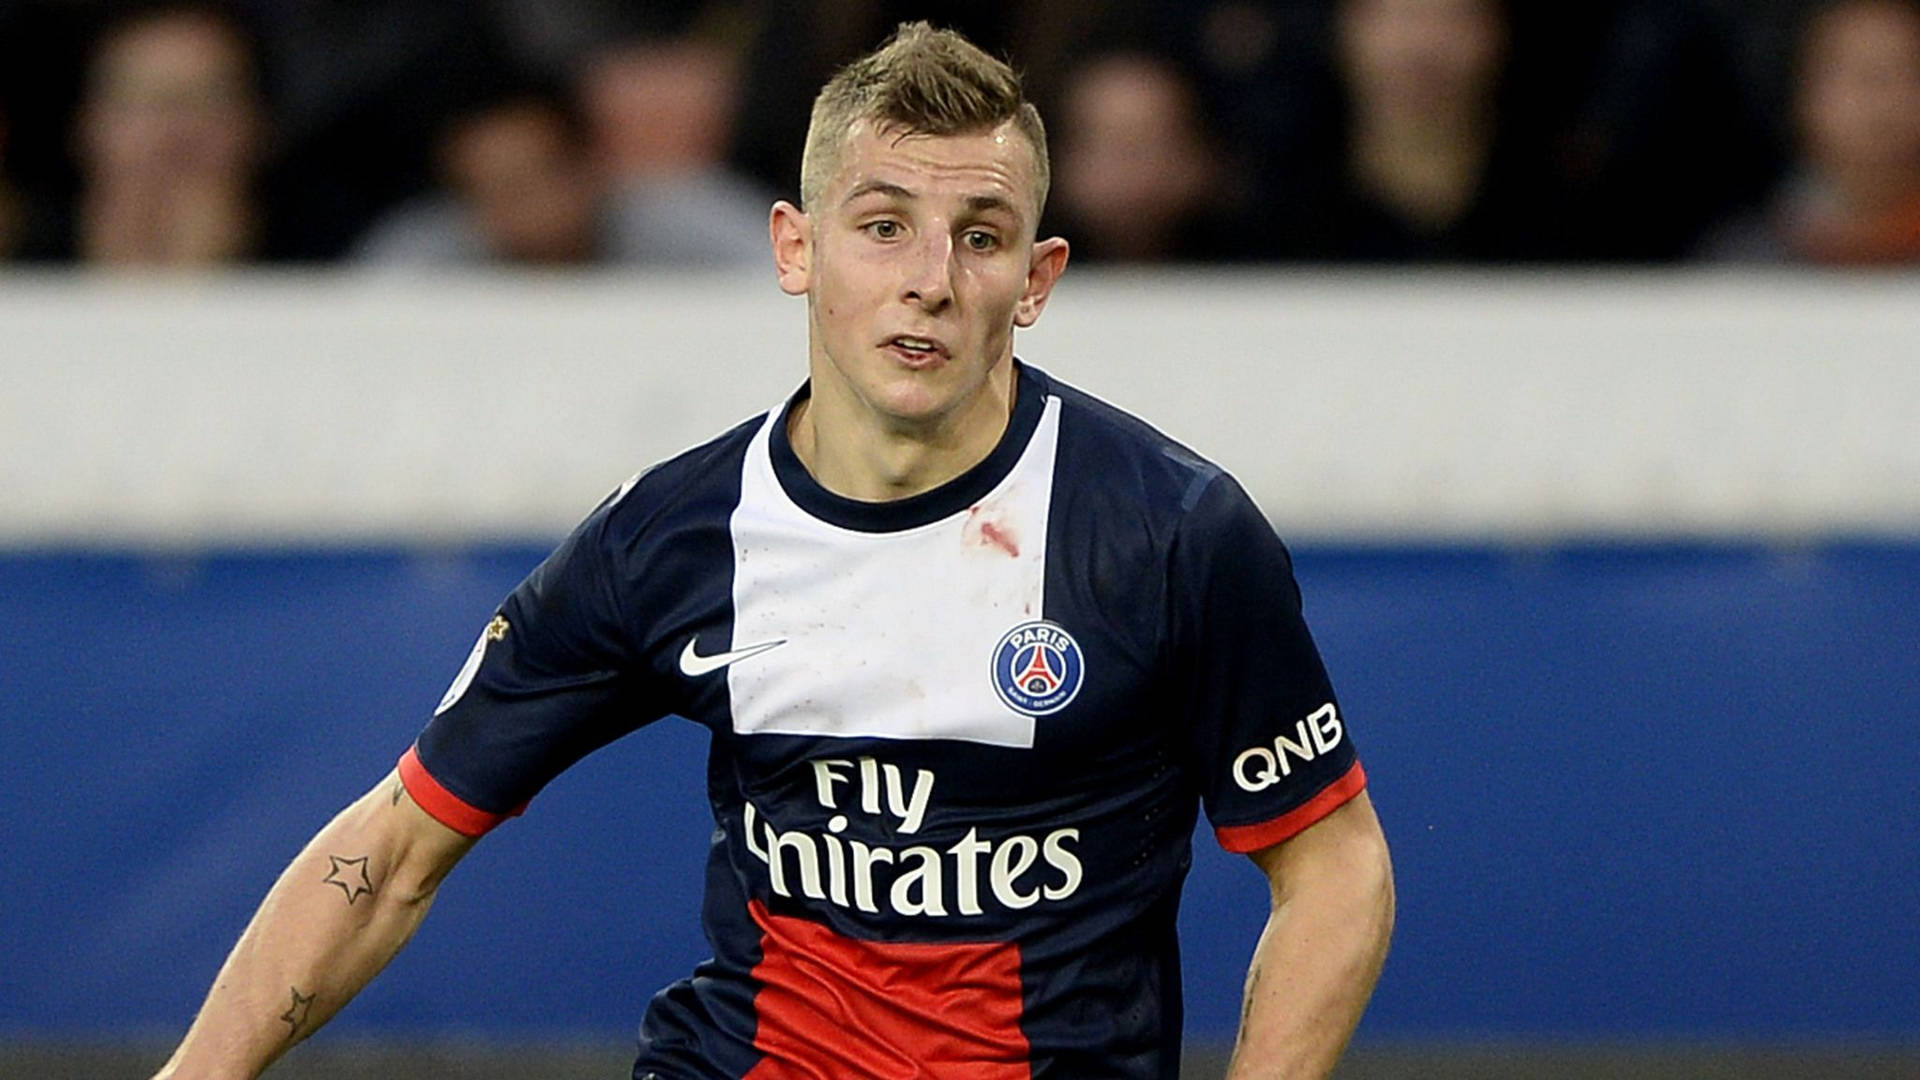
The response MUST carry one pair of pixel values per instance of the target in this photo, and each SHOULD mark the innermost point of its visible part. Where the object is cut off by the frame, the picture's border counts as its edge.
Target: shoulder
(693, 485)
(431, 230)
(650, 529)
(1106, 449)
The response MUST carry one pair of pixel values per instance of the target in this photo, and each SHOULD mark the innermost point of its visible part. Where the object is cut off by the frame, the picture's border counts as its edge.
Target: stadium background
(1615, 567)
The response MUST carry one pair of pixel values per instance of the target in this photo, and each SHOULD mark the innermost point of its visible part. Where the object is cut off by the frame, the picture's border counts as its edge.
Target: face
(1860, 88)
(660, 107)
(1135, 162)
(918, 261)
(527, 183)
(171, 98)
(1417, 57)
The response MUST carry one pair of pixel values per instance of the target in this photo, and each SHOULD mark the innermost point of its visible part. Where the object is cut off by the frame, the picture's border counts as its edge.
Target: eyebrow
(981, 204)
(978, 204)
(877, 187)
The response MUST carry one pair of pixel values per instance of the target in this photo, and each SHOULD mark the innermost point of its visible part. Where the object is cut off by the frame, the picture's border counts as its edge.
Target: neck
(1876, 191)
(855, 451)
(1426, 168)
(150, 220)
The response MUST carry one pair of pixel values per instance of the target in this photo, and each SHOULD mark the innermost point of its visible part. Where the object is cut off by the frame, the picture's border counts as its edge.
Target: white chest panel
(889, 635)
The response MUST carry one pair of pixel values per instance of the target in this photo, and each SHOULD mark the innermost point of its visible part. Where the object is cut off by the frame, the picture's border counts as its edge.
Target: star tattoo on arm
(296, 1014)
(351, 876)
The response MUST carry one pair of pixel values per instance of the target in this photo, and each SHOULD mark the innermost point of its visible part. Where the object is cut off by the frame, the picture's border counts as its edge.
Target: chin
(921, 391)
(911, 400)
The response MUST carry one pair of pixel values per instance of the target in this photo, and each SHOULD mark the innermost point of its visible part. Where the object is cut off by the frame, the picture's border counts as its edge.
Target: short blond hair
(927, 81)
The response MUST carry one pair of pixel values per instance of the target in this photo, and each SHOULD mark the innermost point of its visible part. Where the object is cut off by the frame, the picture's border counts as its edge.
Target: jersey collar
(1029, 402)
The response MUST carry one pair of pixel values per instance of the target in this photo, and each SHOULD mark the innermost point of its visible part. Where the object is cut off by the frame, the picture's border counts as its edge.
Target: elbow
(409, 889)
(415, 876)
(412, 853)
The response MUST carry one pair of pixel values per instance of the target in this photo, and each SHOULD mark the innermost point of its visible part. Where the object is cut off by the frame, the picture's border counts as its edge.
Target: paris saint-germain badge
(1038, 668)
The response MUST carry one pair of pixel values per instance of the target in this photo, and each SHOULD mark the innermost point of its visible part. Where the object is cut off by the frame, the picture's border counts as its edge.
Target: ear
(1048, 263)
(792, 233)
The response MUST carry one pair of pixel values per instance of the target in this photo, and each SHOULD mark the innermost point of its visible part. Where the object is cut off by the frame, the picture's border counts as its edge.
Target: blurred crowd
(410, 133)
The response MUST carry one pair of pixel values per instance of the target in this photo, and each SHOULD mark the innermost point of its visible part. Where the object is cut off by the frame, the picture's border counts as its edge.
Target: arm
(1322, 948)
(339, 912)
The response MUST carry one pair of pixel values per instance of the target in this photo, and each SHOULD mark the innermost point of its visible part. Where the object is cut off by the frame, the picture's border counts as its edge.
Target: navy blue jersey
(959, 739)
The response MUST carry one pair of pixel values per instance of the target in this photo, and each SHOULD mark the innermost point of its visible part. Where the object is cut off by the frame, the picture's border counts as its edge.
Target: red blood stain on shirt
(982, 532)
(1000, 537)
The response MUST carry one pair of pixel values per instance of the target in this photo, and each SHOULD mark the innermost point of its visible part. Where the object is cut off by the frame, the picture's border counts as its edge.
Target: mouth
(915, 351)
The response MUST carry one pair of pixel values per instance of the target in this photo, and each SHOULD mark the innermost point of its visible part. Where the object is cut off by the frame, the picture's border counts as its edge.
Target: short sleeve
(552, 678)
(1270, 748)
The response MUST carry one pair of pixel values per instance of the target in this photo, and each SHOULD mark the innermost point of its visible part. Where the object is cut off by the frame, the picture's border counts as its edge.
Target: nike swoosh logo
(693, 665)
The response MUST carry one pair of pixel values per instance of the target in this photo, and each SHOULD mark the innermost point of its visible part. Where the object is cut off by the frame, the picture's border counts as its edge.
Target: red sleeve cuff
(1245, 838)
(443, 805)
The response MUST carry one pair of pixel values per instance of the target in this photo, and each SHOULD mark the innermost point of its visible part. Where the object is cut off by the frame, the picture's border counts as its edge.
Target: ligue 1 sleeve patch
(1038, 668)
(495, 630)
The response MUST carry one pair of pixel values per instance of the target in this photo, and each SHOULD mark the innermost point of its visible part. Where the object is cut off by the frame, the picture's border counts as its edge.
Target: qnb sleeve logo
(1038, 668)
(1260, 767)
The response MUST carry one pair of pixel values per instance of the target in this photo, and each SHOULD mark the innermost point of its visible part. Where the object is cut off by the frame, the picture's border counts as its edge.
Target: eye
(981, 240)
(883, 229)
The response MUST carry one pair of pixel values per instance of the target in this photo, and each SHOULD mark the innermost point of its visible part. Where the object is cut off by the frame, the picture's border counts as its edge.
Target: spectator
(1649, 130)
(169, 138)
(1854, 196)
(12, 209)
(361, 91)
(1422, 159)
(800, 45)
(519, 187)
(1138, 177)
(1261, 65)
(661, 113)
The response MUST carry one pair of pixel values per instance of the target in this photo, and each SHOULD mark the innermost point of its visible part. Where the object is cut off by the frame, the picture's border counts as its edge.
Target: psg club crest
(1038, 668)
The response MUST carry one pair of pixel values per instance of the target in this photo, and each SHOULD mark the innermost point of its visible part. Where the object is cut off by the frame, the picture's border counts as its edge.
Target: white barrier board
(267, 408)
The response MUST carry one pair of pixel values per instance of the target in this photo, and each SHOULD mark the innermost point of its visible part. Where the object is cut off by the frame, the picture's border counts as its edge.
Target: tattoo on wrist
(296, 1014)
(351, 876)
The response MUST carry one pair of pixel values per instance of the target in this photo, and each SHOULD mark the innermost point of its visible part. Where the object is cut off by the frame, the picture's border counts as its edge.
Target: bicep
(1346, 848)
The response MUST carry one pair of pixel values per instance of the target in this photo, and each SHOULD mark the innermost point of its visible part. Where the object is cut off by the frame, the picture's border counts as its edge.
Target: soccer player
(973, 646)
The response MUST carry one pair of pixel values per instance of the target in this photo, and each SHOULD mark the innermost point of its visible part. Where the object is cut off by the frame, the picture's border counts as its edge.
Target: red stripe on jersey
(835, 1008)
(443, 805)
(1245, 838)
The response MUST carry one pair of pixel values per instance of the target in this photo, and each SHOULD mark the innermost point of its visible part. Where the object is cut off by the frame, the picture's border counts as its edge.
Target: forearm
(337, 915)
(1315, 967)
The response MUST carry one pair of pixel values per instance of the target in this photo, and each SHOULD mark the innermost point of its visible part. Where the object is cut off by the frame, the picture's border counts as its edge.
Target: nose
(929, 283)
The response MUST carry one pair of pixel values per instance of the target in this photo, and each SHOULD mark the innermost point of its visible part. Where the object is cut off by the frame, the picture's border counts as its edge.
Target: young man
(972, 646)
